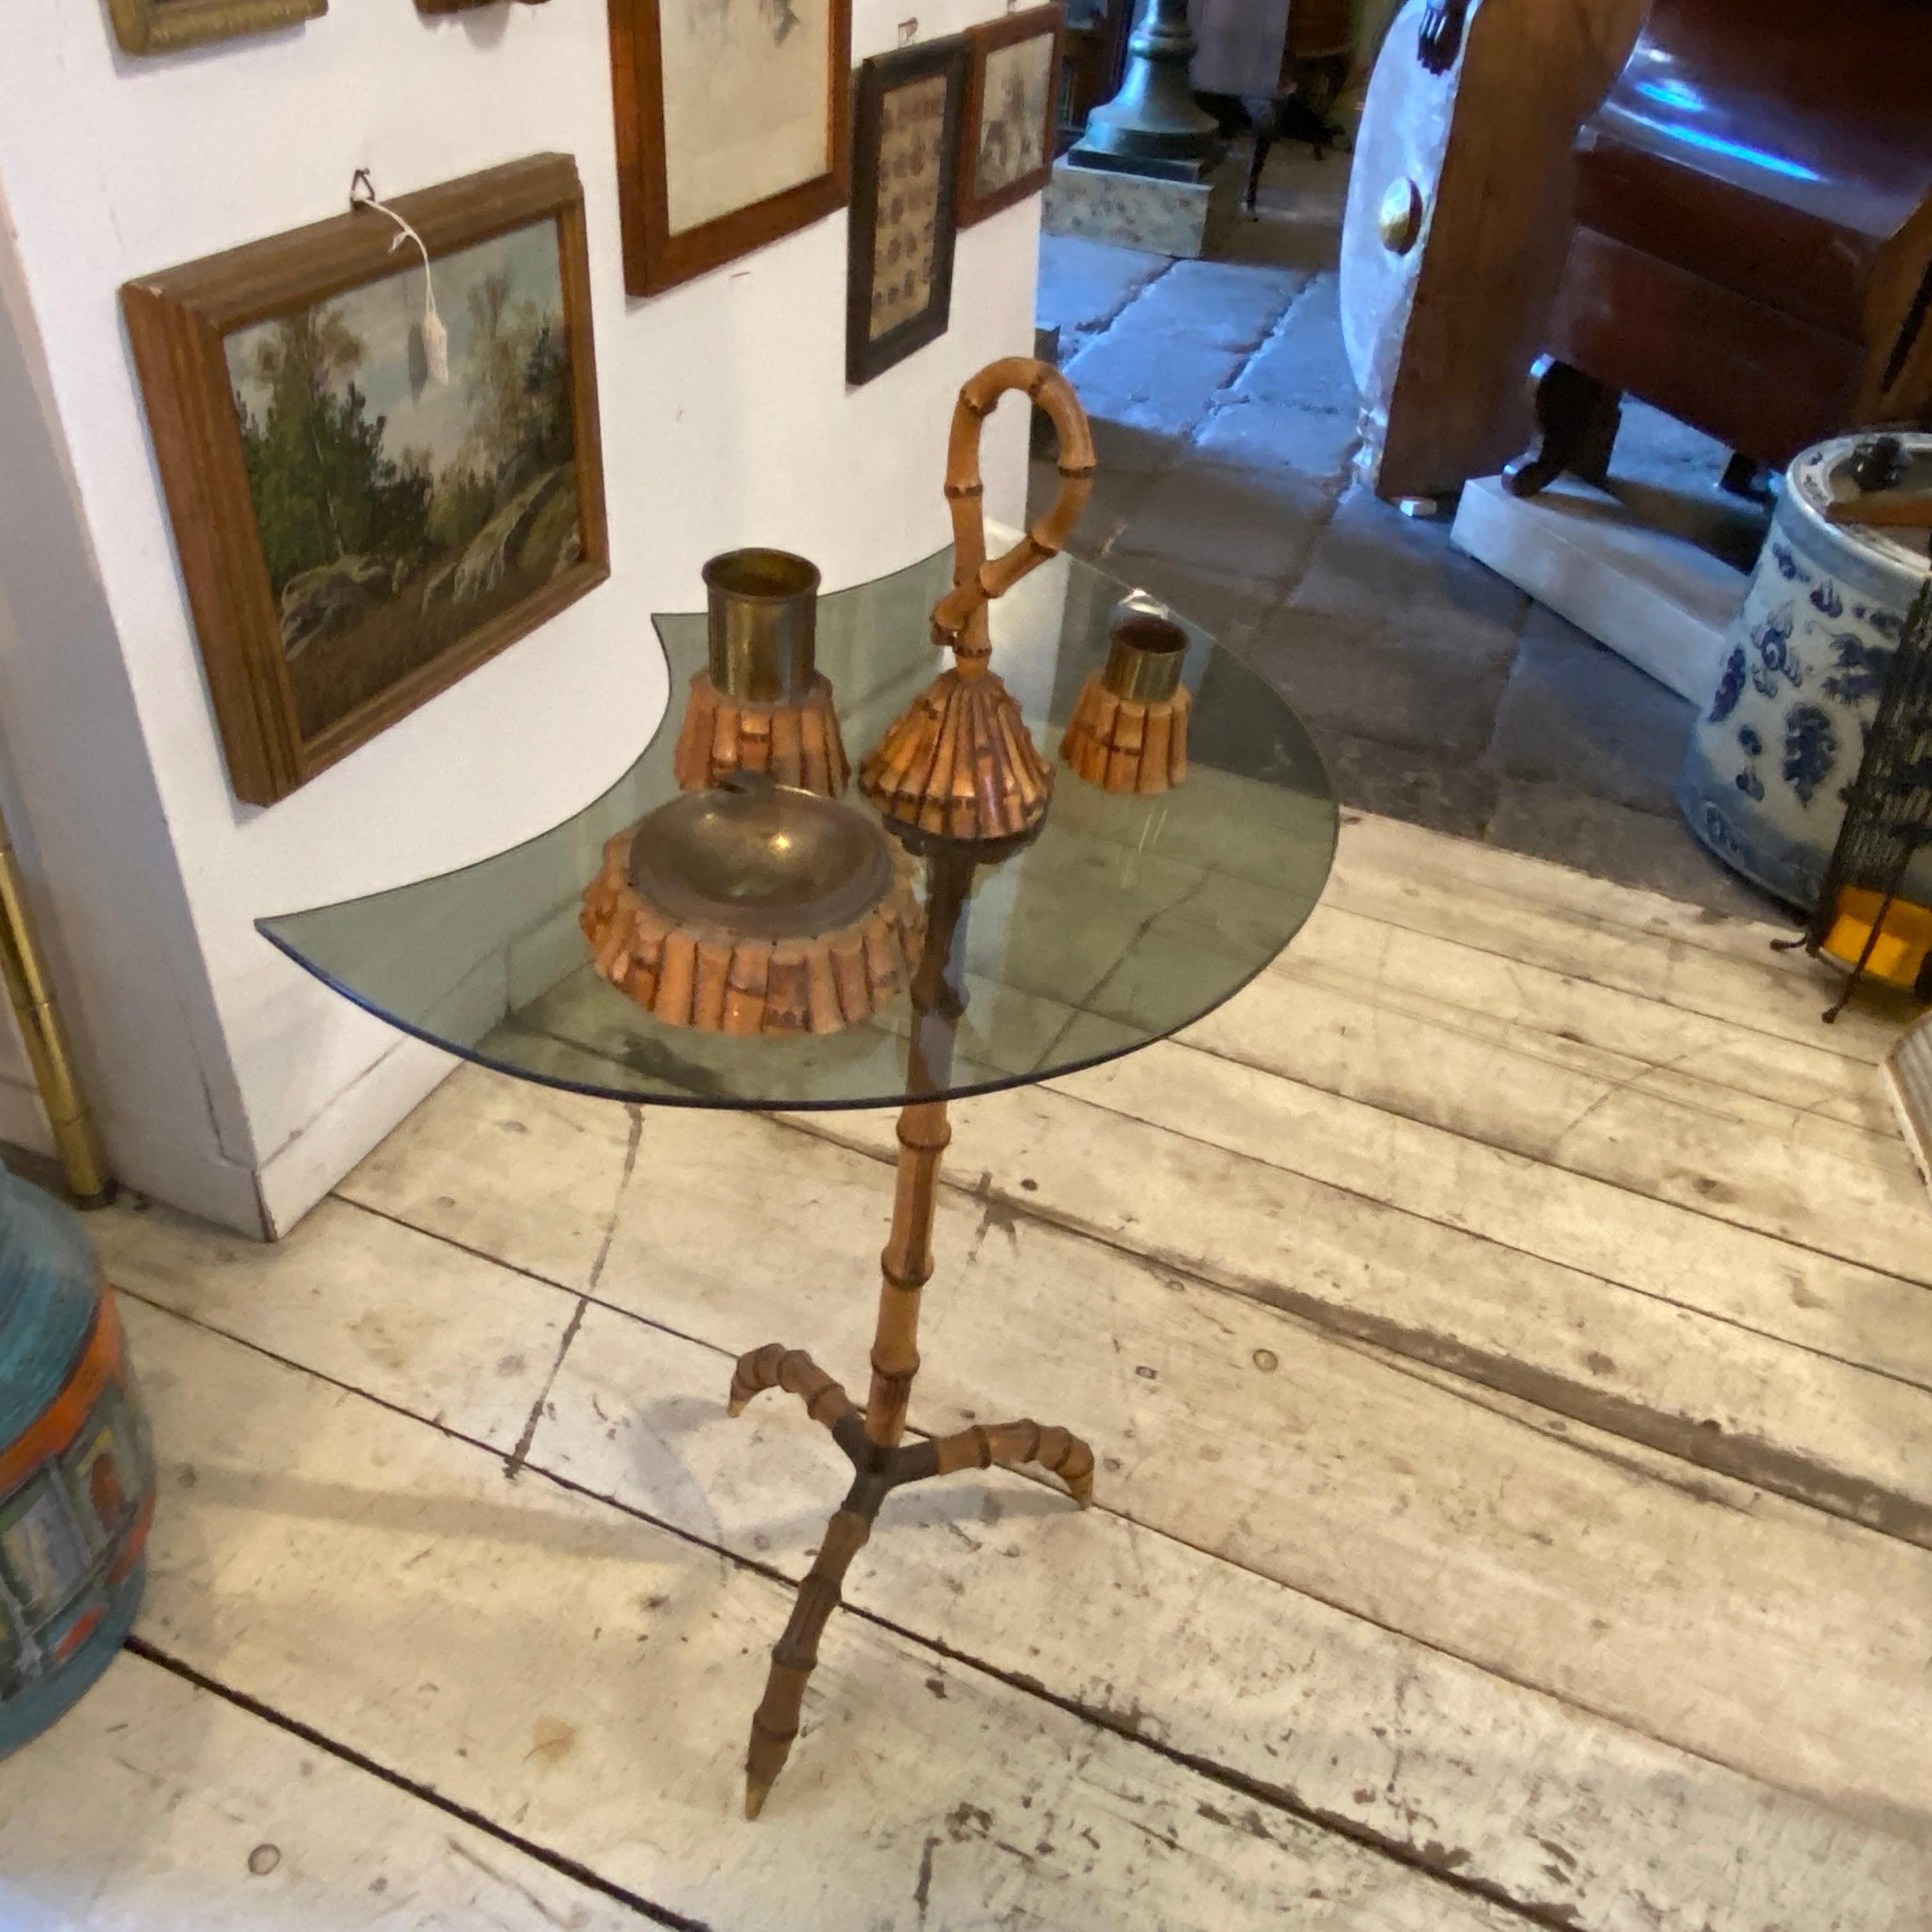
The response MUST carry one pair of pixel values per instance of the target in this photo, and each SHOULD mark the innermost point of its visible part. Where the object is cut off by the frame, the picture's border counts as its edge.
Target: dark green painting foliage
(323, 487)
(518, 386)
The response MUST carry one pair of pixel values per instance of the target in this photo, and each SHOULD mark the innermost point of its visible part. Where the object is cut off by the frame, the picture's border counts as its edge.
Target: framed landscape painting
(1007, 153)
(379, 477)
(905, 143)
(733, 127)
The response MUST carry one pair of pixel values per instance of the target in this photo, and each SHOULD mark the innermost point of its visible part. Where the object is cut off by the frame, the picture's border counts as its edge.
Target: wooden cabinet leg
(1577, 418)
(1268, 125)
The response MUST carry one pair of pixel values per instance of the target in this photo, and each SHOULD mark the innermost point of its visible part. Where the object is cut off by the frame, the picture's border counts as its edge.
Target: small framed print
(382, 463)
(1007, 151)
(905, 145)
(733, 127)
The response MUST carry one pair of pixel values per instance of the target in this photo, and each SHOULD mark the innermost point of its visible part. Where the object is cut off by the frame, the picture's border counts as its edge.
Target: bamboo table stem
(871, 1438)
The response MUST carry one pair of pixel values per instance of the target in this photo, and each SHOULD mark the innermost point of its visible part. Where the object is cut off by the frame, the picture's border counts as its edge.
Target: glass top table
(1122, 918)
(1125, 918)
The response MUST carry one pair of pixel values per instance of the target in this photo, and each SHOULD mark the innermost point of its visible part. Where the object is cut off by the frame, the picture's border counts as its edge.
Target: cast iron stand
(870, 1438)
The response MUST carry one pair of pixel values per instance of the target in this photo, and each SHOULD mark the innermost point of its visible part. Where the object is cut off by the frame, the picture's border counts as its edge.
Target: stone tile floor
(1224, 415)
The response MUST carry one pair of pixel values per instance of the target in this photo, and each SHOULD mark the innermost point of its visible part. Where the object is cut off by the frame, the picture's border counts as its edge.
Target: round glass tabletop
(1123, 919)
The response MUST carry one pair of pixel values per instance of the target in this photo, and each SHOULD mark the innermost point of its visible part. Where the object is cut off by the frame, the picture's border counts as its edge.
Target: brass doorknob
(1398, 219)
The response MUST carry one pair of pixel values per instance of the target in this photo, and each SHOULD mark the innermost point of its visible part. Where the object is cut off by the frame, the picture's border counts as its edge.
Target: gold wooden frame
(161, 26)
(177, 323)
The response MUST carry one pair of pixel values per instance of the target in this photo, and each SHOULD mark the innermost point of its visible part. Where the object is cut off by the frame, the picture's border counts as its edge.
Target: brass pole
(33, 998)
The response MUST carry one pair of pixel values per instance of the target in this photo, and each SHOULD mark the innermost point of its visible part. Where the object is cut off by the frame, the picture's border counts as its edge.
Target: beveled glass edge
(961, 1090)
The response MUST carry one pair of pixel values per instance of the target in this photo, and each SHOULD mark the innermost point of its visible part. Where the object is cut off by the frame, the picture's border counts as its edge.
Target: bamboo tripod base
(870, 1438)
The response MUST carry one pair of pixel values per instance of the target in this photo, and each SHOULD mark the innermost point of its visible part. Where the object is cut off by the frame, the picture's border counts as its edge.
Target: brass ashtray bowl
(764, 860)
(754, 908)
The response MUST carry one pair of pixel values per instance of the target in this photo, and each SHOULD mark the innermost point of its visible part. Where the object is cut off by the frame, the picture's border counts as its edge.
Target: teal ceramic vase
(77, 1472)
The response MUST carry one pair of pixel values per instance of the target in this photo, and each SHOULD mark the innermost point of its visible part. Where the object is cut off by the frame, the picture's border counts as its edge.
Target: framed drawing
(161, 26)
(905, 143)
(1007, 151)
(381, 460)
(732, 128)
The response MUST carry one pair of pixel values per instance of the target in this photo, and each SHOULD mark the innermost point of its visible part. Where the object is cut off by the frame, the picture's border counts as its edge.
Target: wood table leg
(795, 1656)
(792, 1369)
(905, 1267)
(1006, 1443)
(881, 1462)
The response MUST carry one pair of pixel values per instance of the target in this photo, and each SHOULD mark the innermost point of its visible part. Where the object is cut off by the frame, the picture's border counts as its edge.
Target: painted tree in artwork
(323, 489)
(517, 385)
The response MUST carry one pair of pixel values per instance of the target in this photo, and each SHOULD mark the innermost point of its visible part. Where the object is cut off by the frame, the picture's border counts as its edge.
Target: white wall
(726, 420)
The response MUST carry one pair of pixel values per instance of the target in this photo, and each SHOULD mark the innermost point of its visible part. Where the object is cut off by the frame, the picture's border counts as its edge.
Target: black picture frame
(878, 82)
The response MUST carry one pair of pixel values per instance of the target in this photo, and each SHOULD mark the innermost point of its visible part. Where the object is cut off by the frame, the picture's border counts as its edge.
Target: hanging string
(435, 336)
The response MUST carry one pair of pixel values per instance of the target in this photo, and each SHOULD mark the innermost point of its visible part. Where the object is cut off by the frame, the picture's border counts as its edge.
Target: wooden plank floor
(1506, 1331)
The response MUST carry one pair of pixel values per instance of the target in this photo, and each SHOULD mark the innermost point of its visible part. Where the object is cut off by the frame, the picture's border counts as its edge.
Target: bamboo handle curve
(959, 617)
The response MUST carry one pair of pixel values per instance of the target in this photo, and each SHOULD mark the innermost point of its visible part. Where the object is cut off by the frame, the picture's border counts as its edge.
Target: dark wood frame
(176, 324)
(149, 27)
(989, 37)
(655, 258)
(865, 357)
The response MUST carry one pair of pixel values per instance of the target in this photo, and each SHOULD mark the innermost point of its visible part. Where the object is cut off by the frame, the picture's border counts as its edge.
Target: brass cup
(1145, 657)
(763, 610)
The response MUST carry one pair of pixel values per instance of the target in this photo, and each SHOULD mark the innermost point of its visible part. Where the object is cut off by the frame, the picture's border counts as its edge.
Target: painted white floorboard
(585, 1679)
(1214, 1199)
(157, 1807)
(1402, 1305)
(1559, 1811)
(1565, 1815)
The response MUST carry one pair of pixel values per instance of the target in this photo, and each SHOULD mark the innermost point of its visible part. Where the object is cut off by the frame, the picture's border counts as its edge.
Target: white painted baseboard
(151, 1157)
(159, 1162)
(308, 1165)
(1654, 599)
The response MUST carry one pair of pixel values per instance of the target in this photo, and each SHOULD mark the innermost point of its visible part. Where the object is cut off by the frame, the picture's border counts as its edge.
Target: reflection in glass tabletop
(1125, 918)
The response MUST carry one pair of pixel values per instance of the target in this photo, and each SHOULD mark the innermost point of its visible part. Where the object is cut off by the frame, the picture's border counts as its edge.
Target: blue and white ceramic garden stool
(1774, 753)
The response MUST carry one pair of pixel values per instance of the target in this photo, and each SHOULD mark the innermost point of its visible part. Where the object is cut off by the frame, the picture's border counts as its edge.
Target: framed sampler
(733, 127)
(1006, 152)
(378, 438)
(905, 144)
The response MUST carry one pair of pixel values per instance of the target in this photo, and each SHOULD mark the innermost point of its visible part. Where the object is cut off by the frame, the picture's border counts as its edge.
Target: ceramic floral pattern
(1771, 642)
(1811, 750)
(1773, 758)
